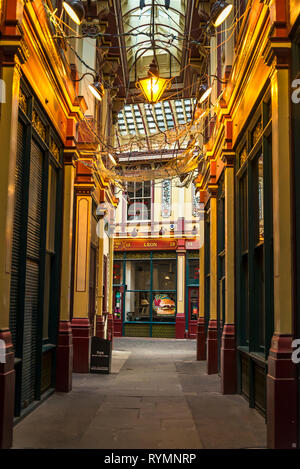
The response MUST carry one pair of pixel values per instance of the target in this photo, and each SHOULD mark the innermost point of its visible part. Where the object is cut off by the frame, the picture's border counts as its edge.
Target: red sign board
(145, 244)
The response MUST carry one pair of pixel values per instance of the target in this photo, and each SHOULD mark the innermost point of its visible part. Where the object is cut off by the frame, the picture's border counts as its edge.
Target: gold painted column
(64, 355)
(100, 324)
(201, 339)
(281, 379)
(180, 310)
(8, 138)
(110, 290)
(228, 347)
(81, 323)
(212, 335)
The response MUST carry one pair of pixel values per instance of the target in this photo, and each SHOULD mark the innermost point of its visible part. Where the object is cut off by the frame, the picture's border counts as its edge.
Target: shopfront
(146, 301)
(192, 292)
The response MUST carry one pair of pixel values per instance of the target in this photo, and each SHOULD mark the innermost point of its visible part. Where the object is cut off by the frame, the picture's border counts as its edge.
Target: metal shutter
(15, 261)
(32, 275)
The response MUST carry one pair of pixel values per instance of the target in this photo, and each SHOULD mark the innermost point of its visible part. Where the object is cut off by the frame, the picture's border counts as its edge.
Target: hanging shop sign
(145, 244)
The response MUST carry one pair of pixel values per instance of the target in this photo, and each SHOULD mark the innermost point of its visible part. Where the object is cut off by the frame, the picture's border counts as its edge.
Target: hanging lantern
(153, 86)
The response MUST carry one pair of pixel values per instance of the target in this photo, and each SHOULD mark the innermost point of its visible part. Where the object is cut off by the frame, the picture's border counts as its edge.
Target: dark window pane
(164, 275)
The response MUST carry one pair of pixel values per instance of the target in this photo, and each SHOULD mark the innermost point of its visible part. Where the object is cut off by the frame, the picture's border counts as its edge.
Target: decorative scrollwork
(23, 101)
(256, 132)
(38, 125)
(54, 150)
(196, 201)
(243, 156)
(166, 198)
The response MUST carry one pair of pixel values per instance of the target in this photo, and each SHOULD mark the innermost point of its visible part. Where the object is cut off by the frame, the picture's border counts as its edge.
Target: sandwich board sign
(101, 355)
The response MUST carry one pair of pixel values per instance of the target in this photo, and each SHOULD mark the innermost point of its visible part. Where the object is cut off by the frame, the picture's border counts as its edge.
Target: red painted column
(180, 326)
(228, 360)
(201, 339)
(282, 406)
(64, 357)
(7, 391)
(82, 334)
(117, 328)
(212, 347)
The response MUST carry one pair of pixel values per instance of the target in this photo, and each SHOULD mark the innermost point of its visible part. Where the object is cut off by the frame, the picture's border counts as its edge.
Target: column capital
(277, 53)
(70, 156)
(212, 189)
(228, 157)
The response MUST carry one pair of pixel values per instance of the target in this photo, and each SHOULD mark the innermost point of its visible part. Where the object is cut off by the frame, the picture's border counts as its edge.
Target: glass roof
(168, 30)
(145, 120)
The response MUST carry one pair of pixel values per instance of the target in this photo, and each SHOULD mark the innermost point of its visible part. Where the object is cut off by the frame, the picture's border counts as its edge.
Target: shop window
(50, 246)
(138, 275)
(164, 275)
(118, 273)
(193, 271)
(259, 191)
(244, 212)
(164, 306)
(137, 306)
(193, 303)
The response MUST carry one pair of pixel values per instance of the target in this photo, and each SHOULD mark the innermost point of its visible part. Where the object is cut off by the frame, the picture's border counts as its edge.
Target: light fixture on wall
(220, 10)
(96, 88)
(195, 231)
(134, 233)
(112, 159)
(204, 93)
(153, 86)
(75, 10)
(206, 89)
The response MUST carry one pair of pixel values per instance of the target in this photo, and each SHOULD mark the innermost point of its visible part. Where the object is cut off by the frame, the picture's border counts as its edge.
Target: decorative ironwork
(243, 156)
(54, 150)
(38, 125)
(23, 101)
(196, 201)
(256, 132)
(166, 198)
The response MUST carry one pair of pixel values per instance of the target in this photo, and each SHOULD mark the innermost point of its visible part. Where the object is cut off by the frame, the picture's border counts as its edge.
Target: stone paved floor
(157, 397)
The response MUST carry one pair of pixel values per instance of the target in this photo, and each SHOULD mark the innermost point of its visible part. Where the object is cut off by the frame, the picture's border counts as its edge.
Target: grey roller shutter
(16, 241)
(32, 275)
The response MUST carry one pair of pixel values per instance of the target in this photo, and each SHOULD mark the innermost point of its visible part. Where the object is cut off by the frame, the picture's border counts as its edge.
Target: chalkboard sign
(100, 355)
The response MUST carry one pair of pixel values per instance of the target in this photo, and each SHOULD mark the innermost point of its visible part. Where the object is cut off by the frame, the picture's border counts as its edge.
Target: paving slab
(157, 396)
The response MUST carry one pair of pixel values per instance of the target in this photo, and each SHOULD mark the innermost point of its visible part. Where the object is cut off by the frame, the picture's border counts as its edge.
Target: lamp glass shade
(204, 93)
(220, 11)
(153, 88)
(97, 90)
(75, 10)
